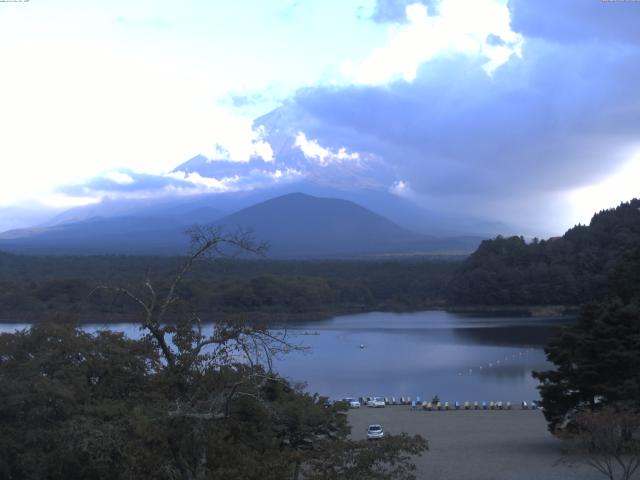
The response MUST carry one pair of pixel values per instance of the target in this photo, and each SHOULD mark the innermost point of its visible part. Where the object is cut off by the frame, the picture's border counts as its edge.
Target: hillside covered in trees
(33, 287)
(569, 270)
(596, 372)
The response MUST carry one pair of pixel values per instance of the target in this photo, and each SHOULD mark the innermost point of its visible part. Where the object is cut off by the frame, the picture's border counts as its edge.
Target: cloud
(461, 26)
(199, 182)
(400, 188)
(503, 145)
(324, 156)
(575, 21)
(495, 40)
(394, 11)
(127, 184)
(252, 103)
(253, 179)
(121, 178)
(244, 100)
(290, 11)
(492, 108)
(123, 183)
(618, 187)
(237, 140)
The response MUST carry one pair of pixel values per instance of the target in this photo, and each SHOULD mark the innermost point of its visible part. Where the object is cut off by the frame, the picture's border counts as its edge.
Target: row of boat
(417, 403)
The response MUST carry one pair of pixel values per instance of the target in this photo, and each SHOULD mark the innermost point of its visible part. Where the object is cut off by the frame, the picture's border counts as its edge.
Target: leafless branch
(608, 441)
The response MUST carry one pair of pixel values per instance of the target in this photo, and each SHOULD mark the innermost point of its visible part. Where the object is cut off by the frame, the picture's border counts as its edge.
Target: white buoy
(361, 345)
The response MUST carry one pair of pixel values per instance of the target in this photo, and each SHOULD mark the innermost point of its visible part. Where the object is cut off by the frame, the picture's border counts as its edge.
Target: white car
(376, 402)
(352, 402)
(374, 432)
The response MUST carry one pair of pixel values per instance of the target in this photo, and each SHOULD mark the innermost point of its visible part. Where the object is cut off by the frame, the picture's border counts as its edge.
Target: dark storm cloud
(394, 11)
(549, 121)
(504, 146)
(574, 21)
(563, 116)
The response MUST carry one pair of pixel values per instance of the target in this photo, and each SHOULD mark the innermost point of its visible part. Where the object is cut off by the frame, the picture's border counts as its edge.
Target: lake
(457, 357)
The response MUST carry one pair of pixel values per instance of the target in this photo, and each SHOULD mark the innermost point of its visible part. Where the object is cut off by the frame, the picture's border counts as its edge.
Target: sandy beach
(476, 444)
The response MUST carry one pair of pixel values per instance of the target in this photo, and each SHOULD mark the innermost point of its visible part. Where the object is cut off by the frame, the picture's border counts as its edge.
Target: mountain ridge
(296, 225)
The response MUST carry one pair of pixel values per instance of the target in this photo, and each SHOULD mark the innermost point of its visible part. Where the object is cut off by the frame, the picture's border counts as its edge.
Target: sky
(519, 111)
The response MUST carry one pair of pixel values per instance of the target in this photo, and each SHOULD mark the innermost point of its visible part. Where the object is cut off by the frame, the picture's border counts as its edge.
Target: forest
(31, 288)
(183, 402)
(103, 406)
(506, 271)
(568, 270)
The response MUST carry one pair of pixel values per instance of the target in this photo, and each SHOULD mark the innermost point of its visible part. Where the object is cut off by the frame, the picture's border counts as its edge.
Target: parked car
(352, 402)
(375, 431)
(376, 402)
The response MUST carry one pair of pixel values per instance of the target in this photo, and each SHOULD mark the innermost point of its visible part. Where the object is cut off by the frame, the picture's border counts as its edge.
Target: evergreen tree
(598, 359)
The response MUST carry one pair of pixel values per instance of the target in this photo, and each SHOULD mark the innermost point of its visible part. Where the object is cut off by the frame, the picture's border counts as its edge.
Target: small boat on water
(361, 345)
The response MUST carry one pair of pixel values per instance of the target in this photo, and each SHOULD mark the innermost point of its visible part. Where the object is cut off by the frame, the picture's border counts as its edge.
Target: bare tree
(243, 349)
(608, 441)
(212, 396)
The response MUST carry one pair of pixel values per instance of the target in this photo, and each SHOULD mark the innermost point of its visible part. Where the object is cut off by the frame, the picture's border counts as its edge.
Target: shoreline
(534, 311)
(271, 318)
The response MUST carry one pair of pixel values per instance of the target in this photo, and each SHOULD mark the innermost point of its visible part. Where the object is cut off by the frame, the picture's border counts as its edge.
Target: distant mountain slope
(174, 208)
(295, 225)
(395, 208)
(367, 183)
(302, 225)
(160, 235)
(571, 269)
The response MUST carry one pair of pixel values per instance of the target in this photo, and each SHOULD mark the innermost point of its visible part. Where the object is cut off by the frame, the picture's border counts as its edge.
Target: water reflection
(424, 353)
(457, 357)
(515, 335)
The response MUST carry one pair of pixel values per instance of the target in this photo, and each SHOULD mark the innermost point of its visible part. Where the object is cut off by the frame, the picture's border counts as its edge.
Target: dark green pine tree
(598, 359)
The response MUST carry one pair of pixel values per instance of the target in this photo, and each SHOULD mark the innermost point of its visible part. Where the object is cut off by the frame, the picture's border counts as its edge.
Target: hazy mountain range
(294, 225)
(306, 201)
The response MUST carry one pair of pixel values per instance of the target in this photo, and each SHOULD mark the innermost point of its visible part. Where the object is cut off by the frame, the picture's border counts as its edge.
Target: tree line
(568, 270)
(593, 392)
(33, 287)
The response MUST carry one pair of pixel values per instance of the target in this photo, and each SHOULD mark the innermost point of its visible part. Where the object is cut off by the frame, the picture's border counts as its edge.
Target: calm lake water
(457, 357)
